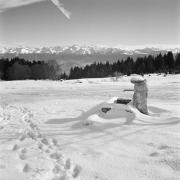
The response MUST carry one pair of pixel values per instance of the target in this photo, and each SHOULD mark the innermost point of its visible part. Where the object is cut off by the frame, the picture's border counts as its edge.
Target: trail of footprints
(63, 169)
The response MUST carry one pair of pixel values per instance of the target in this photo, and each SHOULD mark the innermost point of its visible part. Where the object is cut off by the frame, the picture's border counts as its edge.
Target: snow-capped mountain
(83, 50)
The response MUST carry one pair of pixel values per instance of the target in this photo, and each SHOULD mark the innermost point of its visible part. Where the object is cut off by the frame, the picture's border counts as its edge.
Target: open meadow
(52, 130)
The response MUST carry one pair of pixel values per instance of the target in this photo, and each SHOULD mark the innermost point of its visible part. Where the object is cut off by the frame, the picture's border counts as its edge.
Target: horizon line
(125, 47)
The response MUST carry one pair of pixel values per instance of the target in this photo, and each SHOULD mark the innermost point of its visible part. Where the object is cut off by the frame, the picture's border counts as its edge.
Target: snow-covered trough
(139, 100)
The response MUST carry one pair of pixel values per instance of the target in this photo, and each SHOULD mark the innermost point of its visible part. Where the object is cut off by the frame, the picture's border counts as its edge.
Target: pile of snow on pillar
(140, 94)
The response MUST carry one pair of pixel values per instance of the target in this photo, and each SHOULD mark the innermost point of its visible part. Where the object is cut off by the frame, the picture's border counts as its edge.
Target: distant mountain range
(83, 50)
(69, 56)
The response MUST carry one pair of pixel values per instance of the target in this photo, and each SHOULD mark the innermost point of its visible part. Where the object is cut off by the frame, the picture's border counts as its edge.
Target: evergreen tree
(139, 66)
(169, 61)
(149, 64)
(177, 63)
(18, 72)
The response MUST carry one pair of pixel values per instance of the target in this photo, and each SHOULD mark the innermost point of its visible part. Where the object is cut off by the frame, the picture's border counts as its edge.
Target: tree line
(20, 69)
(166, 63)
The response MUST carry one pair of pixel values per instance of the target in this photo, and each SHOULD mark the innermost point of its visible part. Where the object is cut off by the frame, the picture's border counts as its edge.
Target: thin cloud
(7, 4)
(60, 6)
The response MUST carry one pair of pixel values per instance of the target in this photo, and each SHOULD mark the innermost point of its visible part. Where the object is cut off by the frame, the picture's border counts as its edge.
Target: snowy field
(53, 130)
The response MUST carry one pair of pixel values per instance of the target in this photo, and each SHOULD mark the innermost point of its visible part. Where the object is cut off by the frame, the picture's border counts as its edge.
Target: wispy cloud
(61, 7)
(7, 4)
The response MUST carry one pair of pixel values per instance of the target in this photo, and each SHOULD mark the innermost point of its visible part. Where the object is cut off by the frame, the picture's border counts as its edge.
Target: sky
(40, 23)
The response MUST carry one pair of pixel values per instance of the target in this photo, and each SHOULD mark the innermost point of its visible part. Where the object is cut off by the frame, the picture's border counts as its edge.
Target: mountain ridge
(83, 50)
(75, 55)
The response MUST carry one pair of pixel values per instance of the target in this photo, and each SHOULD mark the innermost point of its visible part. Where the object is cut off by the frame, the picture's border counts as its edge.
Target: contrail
(61, 7)
(7, 4)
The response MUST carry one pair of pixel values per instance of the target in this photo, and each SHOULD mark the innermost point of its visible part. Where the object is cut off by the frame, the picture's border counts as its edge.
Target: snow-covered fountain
(140, 94)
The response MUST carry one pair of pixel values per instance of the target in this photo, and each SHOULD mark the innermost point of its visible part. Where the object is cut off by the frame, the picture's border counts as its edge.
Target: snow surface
(51, 130)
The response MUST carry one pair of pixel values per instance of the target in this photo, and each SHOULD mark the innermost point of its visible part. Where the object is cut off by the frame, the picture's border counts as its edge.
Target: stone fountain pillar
(140, 94)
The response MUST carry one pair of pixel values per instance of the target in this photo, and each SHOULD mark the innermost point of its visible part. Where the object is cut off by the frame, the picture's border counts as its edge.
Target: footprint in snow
(45, 141)
(15, 147)
(76, 171)
(39, 135)
(56, 156)
(154, 154)
(57, 169)
(22, 137)
(50, 147)
(26, 168)
(33, 126)
(68, 164)
(32, 135)
(24, 151)
(22, 156)
(162, 147)
(40, 146)
(47, 151)
(55, 142)
(151, 144)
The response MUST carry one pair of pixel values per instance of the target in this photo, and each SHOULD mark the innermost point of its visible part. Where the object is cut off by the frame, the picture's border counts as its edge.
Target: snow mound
(137, 79)
(124, 115)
